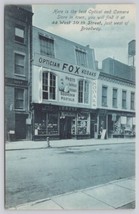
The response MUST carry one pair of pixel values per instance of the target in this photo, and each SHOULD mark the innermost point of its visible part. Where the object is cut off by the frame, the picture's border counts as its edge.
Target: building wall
(64, 49)
(119, 85)
(16, 16)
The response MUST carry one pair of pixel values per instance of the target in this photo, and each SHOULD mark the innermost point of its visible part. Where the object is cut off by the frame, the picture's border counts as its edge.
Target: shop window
(49, 86)
(124, 99)
(19, 34)
(19, 98)
(19, 64)
(114, 100)
(132, 101)
(52, 124)
(46, 46)
(83, 91)
(81, 58)
(83, 126)
(46, 124)
(104, 96)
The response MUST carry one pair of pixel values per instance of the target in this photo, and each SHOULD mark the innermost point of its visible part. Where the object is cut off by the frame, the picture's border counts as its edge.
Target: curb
(67, 146)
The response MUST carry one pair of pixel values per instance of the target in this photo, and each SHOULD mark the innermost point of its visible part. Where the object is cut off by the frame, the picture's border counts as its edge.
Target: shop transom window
(83, 91)
(46, 46)
(49, 86)
(81, 58)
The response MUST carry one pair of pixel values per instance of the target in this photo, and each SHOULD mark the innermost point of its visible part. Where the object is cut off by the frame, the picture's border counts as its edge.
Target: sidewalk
(22, 145)
(119, 194)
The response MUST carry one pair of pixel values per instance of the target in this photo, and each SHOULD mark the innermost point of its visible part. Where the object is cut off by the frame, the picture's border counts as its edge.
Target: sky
(111, 41)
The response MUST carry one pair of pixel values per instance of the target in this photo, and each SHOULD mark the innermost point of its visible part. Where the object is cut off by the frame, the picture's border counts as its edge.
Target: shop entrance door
(65, 128)
(20, 126)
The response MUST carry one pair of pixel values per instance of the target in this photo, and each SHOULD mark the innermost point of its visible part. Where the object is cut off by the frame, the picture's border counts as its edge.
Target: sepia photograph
(69, 106)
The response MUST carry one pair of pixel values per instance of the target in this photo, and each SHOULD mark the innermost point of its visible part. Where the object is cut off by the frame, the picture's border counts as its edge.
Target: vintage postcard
(70, 117)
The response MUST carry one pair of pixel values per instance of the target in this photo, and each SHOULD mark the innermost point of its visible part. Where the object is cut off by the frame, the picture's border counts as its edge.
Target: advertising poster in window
(70, 107)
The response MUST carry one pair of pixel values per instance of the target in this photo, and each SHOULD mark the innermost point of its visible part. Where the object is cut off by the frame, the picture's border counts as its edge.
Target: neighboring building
(63, 80)
(116, 99)
(17, 66)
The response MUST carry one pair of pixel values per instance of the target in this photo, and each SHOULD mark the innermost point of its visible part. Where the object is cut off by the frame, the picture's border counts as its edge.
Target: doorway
(65, 128)
(20, 126)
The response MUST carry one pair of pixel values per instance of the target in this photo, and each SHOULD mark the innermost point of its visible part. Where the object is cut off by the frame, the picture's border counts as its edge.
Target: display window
(83, 126)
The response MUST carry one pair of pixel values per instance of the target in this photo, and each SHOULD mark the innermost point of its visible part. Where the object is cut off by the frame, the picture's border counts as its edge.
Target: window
(132, 100)
(124, 99)
(81, 58)
(104, 95)
(19, 34)
(19, 64)
(114, 100)
(49, 86)
(83, 91)
(19, 98)
(46, 46)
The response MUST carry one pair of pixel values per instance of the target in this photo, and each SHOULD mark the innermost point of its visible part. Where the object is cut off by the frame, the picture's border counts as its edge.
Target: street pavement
(17, 145)
(118, 194)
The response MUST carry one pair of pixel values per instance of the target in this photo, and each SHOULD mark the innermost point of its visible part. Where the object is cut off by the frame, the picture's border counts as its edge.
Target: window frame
(132, 101)
(114, 98)
(104, 97)
(49, 86)
(83, 94)
(45, 51)
(79, 57)
(23, 99)
(19, 38)
(21, 54)
(124, 99)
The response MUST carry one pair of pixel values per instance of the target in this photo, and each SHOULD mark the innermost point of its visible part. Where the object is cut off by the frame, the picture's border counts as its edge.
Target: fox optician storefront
(62, 101)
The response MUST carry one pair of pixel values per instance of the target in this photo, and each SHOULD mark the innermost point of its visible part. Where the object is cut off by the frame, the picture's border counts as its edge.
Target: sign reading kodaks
(50, 63)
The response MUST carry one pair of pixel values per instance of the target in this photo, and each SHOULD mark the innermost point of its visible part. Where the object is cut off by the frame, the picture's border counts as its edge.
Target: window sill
(20, 75)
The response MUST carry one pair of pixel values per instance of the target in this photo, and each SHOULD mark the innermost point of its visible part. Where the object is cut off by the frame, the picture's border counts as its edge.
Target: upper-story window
(19, 64)
(19, 98)
(114, 100)
(132, 101)
(124, 99)
(81, 58)
(49, 86)
(19, 34)
(104, 95)
(46, 46)
(83, 91)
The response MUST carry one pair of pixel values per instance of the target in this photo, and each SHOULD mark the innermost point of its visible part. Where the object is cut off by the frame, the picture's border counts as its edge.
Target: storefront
(121, 125)
(60, 122)
(62, 104)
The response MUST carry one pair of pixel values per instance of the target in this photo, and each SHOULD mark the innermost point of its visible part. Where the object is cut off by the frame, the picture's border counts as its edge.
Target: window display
(83, 124)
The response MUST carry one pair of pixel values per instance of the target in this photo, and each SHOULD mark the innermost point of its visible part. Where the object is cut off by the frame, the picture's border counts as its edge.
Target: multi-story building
(54, 89)
(116, 99)
(18, 40)
(63, 78)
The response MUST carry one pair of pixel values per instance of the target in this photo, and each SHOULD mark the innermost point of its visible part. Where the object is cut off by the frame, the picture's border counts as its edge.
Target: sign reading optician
(58, 65)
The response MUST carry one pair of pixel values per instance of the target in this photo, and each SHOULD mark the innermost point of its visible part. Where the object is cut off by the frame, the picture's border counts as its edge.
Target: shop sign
(94, 93)
(134, 121)
(64, 67)
(67, 114)
(123, 120)
(113, 117)
(16, 82)
(68, 89)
